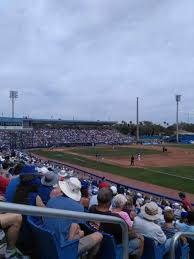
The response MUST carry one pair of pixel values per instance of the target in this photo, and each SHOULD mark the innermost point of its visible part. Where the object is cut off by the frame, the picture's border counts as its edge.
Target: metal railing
(47, 212)
(175, 239)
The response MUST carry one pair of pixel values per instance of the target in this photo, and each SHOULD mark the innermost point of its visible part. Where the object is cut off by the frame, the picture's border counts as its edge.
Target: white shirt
(93, 200)
(149, 229)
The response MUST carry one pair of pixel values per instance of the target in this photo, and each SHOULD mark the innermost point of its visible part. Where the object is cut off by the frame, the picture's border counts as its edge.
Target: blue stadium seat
(46, 246)
(108, 249)
(182, 251)
(151, 250)
(191, 248)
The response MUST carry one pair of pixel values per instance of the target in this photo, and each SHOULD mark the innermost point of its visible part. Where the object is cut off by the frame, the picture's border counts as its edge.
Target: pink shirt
(126, 217)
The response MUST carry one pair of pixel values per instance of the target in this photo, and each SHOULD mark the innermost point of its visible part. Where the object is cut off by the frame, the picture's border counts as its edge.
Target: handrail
(48, 212)
(174, 241)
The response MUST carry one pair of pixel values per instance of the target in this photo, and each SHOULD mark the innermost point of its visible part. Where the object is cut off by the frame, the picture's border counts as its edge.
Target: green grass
(116, 152)
(145, 175)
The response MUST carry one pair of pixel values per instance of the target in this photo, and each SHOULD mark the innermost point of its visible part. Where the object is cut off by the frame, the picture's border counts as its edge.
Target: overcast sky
(90, 59)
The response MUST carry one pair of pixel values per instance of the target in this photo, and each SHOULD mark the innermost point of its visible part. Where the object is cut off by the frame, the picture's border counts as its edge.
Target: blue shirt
(44, 193)
(60, 227)
(11, 188)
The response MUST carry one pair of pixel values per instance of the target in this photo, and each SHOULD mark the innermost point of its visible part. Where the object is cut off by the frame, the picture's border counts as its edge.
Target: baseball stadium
(101, 157)
(96, 129)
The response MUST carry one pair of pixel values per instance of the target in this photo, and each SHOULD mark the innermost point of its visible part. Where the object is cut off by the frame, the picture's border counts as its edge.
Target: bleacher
(37, 241)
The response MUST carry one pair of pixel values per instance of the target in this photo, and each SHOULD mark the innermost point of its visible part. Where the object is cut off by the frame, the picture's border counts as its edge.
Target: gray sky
(91, 58)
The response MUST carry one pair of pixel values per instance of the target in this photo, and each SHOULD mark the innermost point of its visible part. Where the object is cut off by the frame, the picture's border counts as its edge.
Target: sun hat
(114, 189)
(49, 179)
(28, 170)
(140, 201)
(168, 208)
(139, 195)
(176, 205)
(151, 211)
(62, 173)
(71, 187)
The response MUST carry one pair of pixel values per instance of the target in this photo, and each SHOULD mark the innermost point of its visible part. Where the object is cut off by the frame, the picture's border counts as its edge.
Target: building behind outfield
(7, 123)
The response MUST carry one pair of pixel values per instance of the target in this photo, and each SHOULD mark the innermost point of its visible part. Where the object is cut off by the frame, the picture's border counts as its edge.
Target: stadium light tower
(178, 99)
(13, 95)
(137, 121)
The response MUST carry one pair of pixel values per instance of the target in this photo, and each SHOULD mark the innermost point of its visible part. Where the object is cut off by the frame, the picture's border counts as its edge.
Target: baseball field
(173, 169)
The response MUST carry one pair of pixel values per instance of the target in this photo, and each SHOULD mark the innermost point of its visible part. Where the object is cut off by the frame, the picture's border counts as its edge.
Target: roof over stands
(33, 122)
(9, 119)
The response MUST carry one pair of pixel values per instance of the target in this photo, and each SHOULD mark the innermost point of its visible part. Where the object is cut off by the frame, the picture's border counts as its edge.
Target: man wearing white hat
(145, 224)
(64, 229)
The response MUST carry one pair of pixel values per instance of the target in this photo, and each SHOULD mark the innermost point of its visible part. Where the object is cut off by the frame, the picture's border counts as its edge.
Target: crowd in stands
(56, 137)
(25, 179)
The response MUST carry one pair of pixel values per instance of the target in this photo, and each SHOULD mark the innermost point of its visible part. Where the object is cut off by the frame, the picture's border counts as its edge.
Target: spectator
(185, 201)
(145, 224)
(46, 187)
(93, 199)
(11, 223)
(130, 208)
(17, 169)
(114, 190)
(189, 226)
(180, 223)
(27, 190)
(3, 185)
(119, 204)
(4, 171)
(85, 195)
(66, 229)
(26, 170)
(177, 208)
(104, 202)
(169, 227)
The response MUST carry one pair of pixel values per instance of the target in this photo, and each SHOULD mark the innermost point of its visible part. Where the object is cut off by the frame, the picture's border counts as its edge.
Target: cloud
(90, 59)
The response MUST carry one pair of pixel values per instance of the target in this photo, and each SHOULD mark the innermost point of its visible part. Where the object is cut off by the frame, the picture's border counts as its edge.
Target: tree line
(150, 129)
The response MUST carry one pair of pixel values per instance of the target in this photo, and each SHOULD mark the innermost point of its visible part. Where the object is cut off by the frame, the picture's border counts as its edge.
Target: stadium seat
(151, 250)
(46, 246)
(191, 248)
(108, 249)
(182, 251)
(24, 241)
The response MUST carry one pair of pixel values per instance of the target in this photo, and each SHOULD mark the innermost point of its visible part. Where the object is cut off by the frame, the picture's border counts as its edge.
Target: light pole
(137, 122)
(13, 95)
(178, 99)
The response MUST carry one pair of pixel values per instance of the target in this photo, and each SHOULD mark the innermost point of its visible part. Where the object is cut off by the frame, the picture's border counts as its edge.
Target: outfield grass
(116, 152)
(146, 175)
